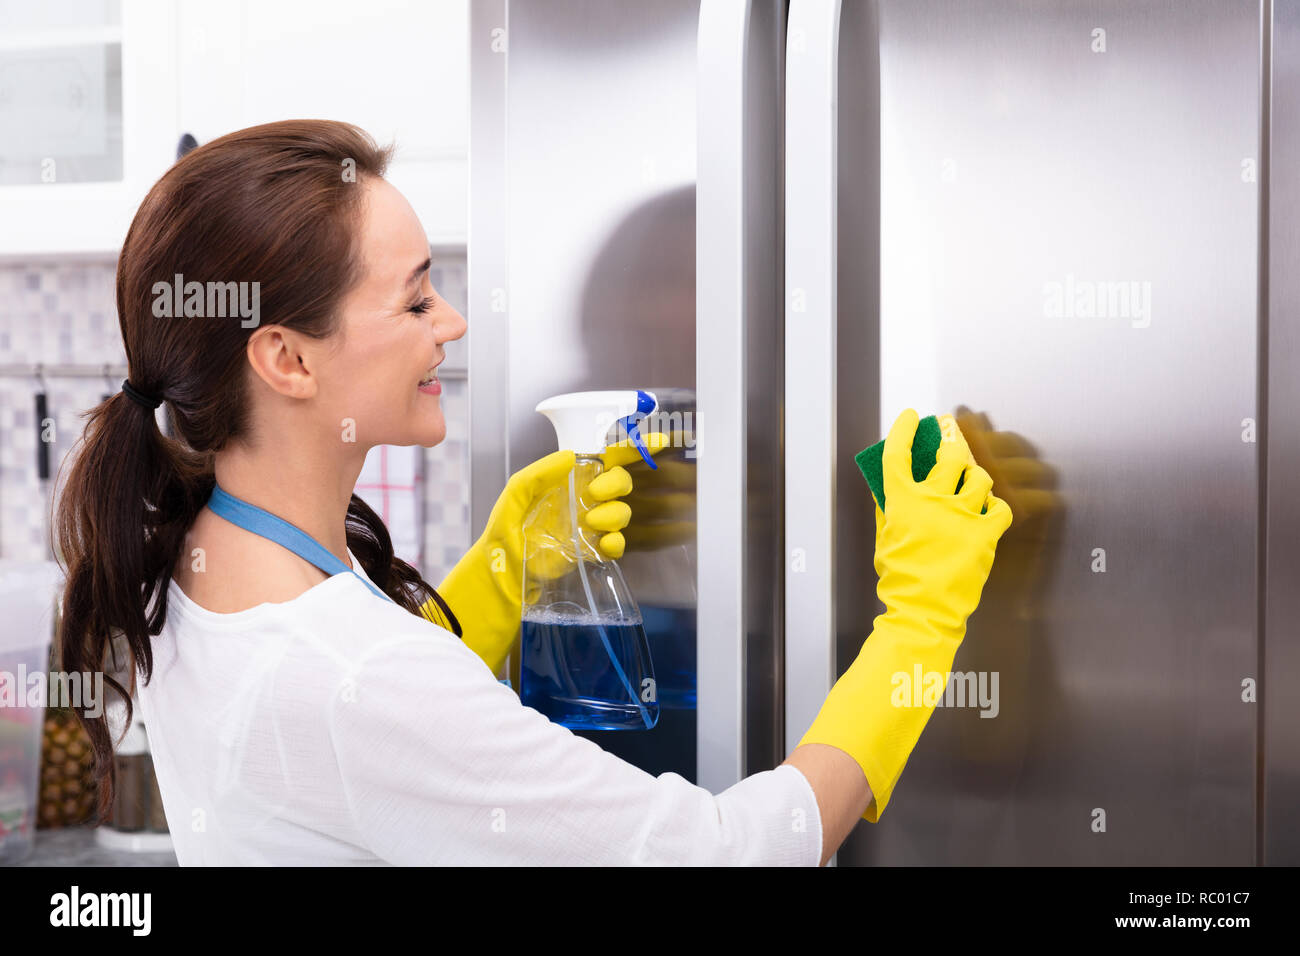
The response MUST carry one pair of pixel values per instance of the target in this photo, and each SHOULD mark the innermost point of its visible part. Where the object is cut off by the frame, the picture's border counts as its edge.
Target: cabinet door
(397, 69)
(87, 120)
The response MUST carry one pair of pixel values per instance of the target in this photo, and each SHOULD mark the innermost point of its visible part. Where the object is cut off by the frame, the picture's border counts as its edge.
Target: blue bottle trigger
(645, 404)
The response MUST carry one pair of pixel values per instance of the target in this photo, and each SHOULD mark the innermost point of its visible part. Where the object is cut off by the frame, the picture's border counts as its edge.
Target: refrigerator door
(601, 135)
(1050, 219)
(1280, 744)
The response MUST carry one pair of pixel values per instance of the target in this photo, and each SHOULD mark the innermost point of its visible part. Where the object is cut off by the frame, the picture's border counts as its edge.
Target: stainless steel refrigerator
(1071, 222)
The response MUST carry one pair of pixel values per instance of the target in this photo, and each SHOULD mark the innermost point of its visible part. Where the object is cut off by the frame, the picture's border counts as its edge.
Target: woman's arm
(840, 787)
(933, 555)
(440, 763)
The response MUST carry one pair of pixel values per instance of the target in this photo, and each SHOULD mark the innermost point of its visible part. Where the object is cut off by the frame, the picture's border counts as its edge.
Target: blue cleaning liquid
(670, 632)
(567, 674)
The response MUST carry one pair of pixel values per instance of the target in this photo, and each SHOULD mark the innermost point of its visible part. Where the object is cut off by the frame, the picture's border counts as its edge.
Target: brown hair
(278, 204)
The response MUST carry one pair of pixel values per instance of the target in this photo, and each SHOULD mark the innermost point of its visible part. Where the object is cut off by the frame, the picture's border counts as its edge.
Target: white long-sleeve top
(337, 728)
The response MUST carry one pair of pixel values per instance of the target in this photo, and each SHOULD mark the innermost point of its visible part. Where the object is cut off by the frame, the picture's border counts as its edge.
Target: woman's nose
(454, 327)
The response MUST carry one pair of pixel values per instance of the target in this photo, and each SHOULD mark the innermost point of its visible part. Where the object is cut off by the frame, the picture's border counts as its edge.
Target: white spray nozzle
(582, 419)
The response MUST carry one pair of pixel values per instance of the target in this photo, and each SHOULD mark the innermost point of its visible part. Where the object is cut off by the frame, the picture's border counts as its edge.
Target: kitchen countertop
(79, 846)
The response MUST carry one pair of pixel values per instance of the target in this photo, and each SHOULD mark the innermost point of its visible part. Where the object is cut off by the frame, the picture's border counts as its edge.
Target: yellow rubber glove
(483, 589)
(934, 551)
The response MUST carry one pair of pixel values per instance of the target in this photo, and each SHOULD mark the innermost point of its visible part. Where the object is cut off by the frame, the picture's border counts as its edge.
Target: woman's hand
(599, 509)
(484, 588)
(934, 549)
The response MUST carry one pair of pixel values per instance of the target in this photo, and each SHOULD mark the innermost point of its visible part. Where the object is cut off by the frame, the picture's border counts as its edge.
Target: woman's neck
(304, 486)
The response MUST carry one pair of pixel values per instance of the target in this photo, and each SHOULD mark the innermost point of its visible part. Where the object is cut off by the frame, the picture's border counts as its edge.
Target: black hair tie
(140, 398)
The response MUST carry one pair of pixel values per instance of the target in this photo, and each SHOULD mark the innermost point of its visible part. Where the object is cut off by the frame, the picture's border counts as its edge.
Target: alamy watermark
(960, 689)
(1086, 299)
(82, 690)
(131, 910)
(678, 426)
(208, 300)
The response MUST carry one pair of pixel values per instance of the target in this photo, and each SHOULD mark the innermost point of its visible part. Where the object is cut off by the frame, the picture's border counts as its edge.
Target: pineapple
(67, 791)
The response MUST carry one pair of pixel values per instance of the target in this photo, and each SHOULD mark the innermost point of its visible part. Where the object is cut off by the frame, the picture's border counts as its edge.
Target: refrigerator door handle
(738, 389)
(719, 328)
(811, 249)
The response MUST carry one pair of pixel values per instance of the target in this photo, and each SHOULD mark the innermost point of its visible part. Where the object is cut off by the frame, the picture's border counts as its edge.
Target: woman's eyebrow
(418, 271)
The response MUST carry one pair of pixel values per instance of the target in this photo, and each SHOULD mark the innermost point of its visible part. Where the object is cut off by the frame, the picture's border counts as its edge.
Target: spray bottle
(585, 661)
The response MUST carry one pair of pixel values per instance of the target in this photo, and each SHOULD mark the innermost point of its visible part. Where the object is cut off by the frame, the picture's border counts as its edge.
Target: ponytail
(130, 496)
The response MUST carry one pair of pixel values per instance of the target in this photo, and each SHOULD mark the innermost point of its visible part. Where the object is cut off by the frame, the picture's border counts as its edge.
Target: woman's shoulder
(227, 580)
(225, 569)
(344, 619)
(339, 620)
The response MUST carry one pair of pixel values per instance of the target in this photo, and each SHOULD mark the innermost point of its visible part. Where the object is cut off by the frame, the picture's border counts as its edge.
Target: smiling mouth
(429, 378)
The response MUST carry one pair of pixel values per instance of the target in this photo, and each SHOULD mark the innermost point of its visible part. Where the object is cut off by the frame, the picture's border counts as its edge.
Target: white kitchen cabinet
(87, 120)
(397, 69)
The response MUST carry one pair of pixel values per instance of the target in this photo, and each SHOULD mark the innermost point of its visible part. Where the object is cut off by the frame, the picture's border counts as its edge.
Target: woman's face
(394, 325)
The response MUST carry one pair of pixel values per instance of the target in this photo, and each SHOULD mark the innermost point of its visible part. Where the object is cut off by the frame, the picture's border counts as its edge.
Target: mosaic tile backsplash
(63, 313)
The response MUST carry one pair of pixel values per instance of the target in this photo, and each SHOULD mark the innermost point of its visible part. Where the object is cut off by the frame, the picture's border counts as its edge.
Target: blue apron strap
(252, 518)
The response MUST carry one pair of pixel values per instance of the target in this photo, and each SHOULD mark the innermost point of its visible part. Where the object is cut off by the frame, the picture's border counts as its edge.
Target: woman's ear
(277, 357)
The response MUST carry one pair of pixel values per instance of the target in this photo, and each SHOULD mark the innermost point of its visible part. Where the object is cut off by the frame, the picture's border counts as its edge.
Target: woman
(310, 699)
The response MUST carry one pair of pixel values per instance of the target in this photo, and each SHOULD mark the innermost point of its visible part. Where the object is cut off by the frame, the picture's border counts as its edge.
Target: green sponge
(925, 449)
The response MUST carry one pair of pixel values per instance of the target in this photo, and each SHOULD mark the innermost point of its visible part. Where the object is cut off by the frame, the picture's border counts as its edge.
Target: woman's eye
(424, 305)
